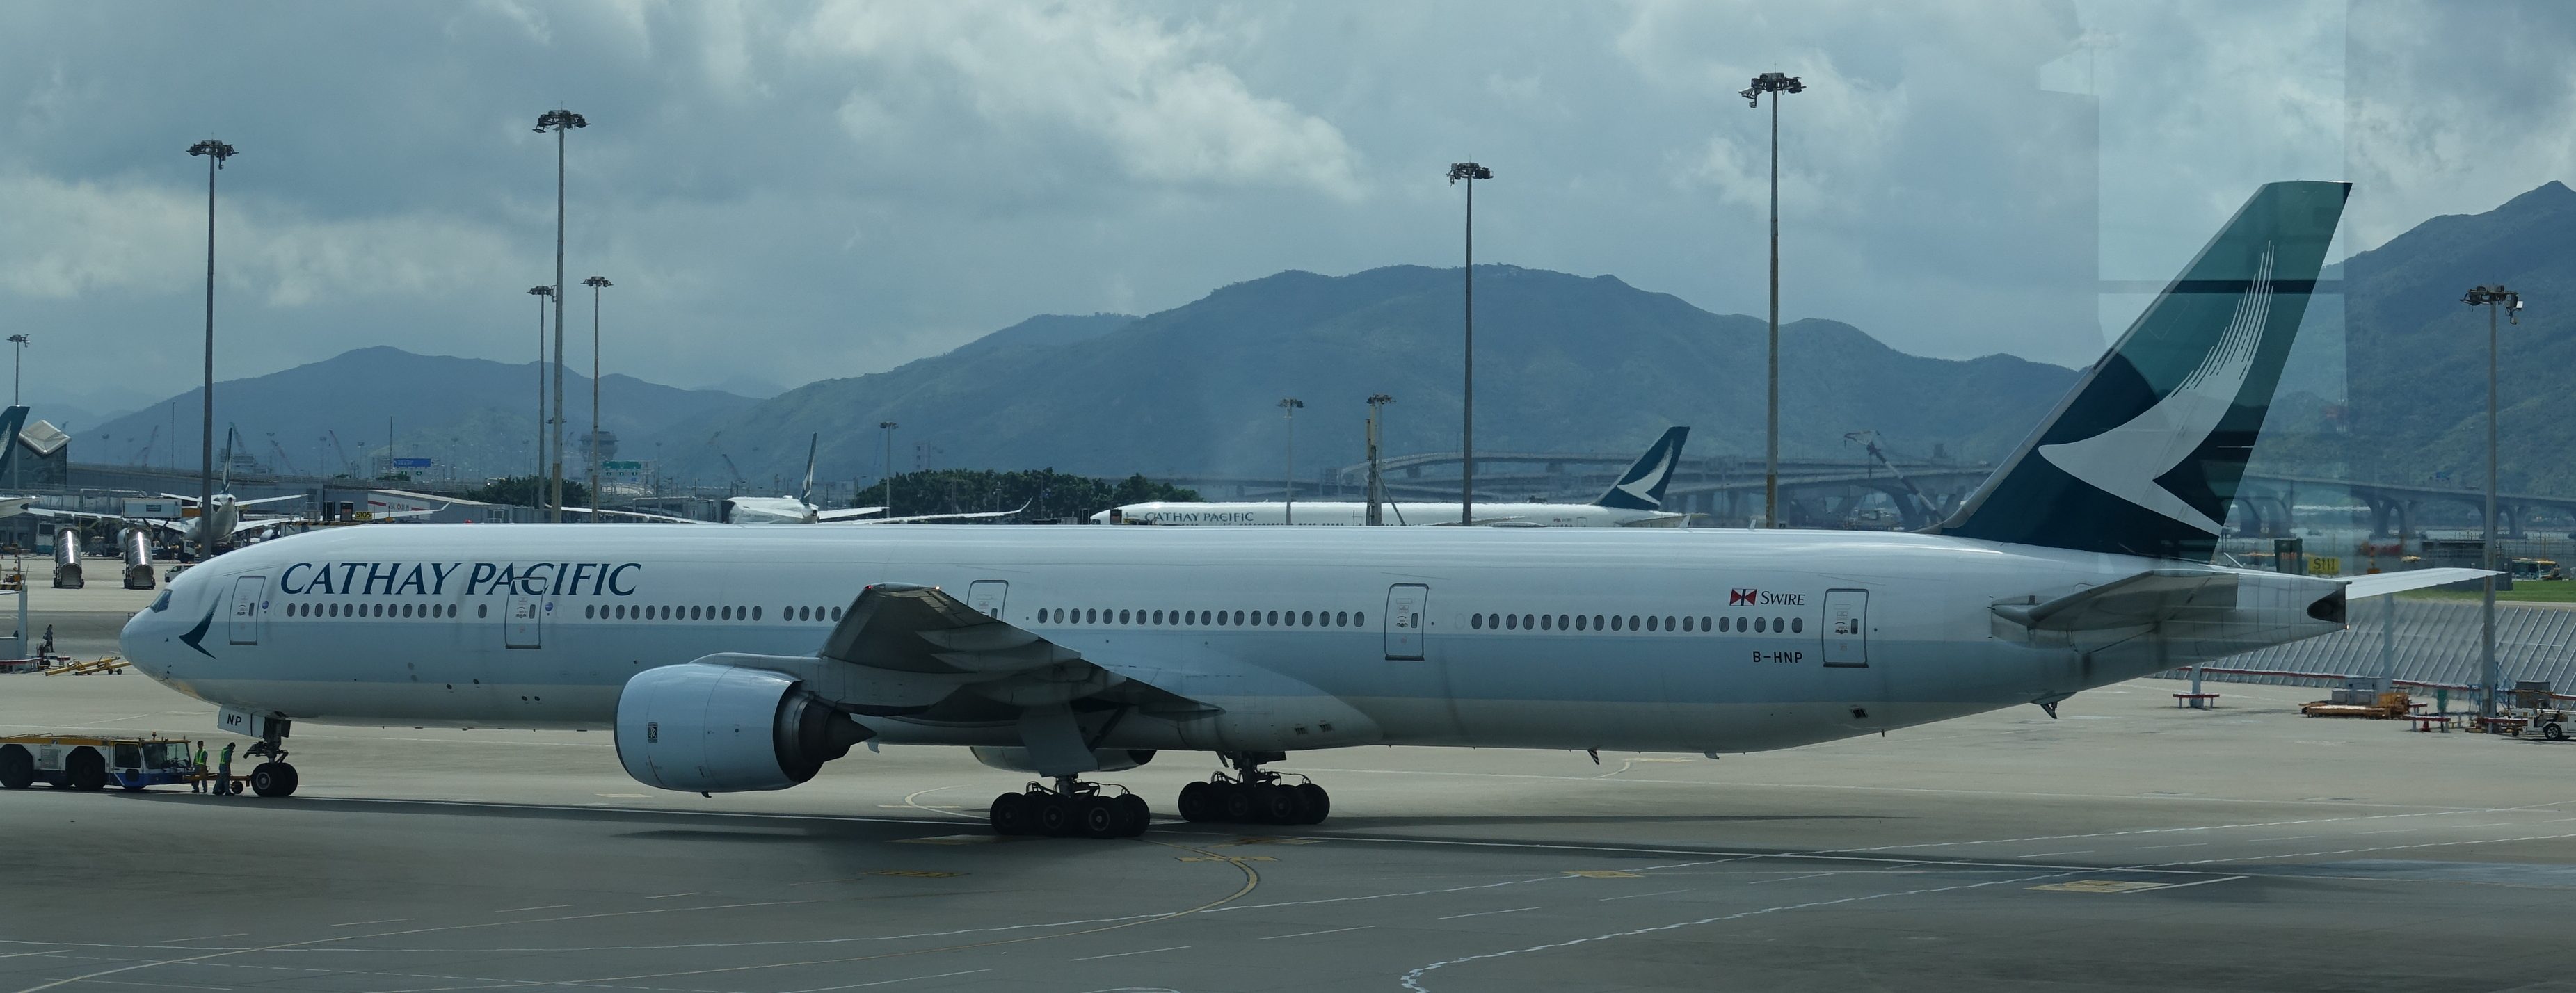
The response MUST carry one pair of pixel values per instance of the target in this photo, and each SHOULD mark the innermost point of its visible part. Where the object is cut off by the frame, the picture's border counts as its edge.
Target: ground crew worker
(224, 773)
(197, 784)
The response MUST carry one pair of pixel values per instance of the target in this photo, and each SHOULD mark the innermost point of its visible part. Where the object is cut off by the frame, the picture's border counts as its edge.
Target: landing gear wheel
(1097, 817)
(1235, 801)
(273, 779)
(1055, 816)
(1011, 815)
(1276, 804)
(86, 771)
(1319, 804)
(18, 769)
(1133, 816)
(2553, 731)
(1198, 800)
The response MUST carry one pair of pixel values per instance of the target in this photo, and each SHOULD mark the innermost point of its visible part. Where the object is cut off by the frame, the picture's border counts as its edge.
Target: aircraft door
(525, 619)
(244, 623)
(1406, 603)
(1846, 628)
(986, 596)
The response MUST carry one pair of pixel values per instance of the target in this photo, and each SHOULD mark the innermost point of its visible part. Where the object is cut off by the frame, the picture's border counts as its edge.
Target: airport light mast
(596, 283)
(538, 476)
(17, 362)
(1470, 172)
(2494, 298)
(1774, 84)
(885, 463)
(1291, 405)
(215, 152)
(1376, 474)
(558, 121)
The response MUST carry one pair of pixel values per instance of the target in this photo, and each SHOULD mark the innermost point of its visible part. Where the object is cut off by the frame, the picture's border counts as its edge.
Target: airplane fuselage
(1536, 638)
(1347, 513)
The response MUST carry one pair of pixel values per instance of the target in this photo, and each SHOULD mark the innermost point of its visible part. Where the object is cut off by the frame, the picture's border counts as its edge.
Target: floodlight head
(18, 338)
(1771, 82)
(541, 291)
(560, 120)
(1468, 170)
(888, 425)
(1380, 399)
(1290, 404)
(597, 282)
(215, 148)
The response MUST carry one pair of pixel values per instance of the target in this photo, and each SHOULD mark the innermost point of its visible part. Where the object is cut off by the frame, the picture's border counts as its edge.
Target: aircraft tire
(1011, 815)
(1134, 816)
(1277, 805)
(273, 779)
(1056, 817)
(1234, 802)
(1197, 803)
(17, 768)
(86, 770)
(1318, 805)
(1098, 817)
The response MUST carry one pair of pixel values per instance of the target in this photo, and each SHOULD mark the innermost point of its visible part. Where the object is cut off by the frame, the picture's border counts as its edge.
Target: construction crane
(146, 451)
(343, 453)
(1869, 441)
(280, 451)
(738, 481)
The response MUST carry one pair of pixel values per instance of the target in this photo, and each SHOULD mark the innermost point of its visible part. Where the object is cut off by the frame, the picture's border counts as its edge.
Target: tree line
(1046, 492)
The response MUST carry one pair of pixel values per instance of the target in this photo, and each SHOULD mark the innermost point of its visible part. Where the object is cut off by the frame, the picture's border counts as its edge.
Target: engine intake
(723, 729)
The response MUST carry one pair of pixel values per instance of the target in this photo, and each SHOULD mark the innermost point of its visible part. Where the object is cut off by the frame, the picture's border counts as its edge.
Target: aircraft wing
(79, 515)
(907, 648)
(2146, 598)
(641, 516)
(916, 518)
(1489, 522)
(2385, 583)
(1658, 521)
(274, 499)
(847, 513)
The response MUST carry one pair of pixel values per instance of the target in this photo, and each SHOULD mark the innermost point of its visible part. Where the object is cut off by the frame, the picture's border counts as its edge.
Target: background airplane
(1636, 500)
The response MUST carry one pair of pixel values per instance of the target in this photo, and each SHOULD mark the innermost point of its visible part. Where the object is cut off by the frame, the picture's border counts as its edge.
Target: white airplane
(743, 659)
(1636, 500)
(800, 509)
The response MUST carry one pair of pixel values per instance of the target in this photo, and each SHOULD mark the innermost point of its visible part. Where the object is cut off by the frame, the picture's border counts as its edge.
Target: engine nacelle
(1017, 759)
(722, 729)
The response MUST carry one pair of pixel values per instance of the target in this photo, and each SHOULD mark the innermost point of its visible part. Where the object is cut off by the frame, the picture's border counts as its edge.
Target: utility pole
(1775, 84)
(559, 121)
(537, 476)
(596, 283)
(1376, 473)
(1470, 172)
(215, 152)
(885, 463)
(2494, 298)
(1291, 405)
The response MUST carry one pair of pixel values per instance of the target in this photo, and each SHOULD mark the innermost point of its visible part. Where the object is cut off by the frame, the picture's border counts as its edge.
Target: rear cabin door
(243, 625)
(525, 619)
(1847, 628)
(1406, 603)
(986, 596)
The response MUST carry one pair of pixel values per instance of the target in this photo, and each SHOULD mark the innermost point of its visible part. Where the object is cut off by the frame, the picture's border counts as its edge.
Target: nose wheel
(273, 778)
(1253, 795)
(1070, 808)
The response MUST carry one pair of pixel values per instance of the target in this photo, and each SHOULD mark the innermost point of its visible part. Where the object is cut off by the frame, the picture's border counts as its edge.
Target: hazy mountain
(474, 415)
(1565, 363)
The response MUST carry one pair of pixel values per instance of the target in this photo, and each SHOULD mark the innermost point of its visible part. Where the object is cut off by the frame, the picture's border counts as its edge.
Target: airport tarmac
(2129, 845)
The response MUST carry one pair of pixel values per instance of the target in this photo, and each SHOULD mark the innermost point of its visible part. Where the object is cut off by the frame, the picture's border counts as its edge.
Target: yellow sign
(2325, 565)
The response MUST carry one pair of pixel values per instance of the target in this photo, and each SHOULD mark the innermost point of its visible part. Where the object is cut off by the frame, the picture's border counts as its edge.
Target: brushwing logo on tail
(2126, 461)
(1642, 485)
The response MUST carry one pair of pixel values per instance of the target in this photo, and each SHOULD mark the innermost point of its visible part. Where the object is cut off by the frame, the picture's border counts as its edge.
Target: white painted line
(2389, 831)
(888, 982)
(1784, 879)
(2193, 844)
(667, 896)
(1310, 934)
(2286, 837)
(389, 920)
(1485, 913)
(2205, 882)
(522, 910)
(1119, 955)
(2043, 855)
(58, 951)
(1634, 896)
(202, 937)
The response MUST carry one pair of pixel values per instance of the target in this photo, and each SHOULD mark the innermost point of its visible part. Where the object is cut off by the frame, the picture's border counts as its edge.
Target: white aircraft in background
(800, 509)
(743, 658)
(1636, 500)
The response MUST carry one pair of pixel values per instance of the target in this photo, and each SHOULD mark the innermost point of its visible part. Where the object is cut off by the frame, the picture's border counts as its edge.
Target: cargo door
(1406, 603)
(244, 619)
(986, 596)
(525, 619)
(1847, 628)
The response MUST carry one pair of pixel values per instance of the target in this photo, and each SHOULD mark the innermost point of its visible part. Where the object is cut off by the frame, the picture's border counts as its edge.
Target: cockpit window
(161, 602)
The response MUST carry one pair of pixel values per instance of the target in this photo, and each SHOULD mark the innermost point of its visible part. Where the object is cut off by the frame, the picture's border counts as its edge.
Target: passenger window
(1158, 616)
(1476, 621)
(482, 609)
(755, 612)
(1342, 619)
(1703, 622)
(1512, 621)
(1359, 620)
(1778, 625)
(1614, 623)
(585, 612)
(1759, 627)
(1529, 622)
(1309, 619)
(1561, 621)
(1546, 622)
(1238, 618)
(1797, 625)
(1274, 618)
(1632, 622)
(1668, 622)
(836, 612)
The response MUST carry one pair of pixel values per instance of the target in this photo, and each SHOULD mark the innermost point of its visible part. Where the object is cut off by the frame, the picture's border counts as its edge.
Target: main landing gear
(1070, 809)
(1253, 795)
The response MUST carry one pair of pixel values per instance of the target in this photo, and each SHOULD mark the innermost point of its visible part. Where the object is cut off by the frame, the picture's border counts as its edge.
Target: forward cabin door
(986, 596)
(243, 623)
(525, 619)
(1406, 603)
(1847, 628)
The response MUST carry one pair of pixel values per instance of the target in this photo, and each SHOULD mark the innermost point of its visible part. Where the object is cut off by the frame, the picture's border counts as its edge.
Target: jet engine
(722, 729)
(1017, 759)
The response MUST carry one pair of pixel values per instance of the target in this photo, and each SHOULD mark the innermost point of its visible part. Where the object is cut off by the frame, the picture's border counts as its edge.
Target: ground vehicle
(93, 763)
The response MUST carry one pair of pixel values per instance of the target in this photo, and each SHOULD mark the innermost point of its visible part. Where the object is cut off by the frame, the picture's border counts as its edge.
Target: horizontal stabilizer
(2385, 583)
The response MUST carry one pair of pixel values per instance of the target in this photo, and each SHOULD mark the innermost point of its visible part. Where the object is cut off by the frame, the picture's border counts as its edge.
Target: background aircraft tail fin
(2144, 457)
(1642, 486)
(11, 422)
(805, 494)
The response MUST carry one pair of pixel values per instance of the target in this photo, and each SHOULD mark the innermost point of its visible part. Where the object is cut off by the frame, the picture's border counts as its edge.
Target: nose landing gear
(1253, 795)
(1070, 808)
(273, 778)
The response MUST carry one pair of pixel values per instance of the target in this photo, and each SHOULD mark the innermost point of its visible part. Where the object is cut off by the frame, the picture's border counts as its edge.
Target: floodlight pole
(537, 476)
(1775, 84)
(596, 283)
(215, 152)
(1376, 474)
(559, 121)
(1470, 172)
(2494, 298)
(1290, 405)
(885, 463)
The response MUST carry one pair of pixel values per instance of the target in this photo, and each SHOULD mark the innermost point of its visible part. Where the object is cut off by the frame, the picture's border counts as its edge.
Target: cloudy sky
(785, 191)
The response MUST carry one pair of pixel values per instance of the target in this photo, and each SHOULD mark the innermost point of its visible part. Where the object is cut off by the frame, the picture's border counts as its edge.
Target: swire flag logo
(1739, 598)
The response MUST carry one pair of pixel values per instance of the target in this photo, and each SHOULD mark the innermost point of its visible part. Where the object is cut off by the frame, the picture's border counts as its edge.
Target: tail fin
(2144, 456)
(11, 421)
(1642, 487)
(806, 495)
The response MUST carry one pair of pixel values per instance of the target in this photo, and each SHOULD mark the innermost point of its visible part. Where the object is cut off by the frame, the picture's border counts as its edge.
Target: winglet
(1642, 486)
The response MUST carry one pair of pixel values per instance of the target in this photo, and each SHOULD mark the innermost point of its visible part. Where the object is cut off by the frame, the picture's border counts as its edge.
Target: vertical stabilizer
(12, 421)
(2144, 457)
(1642, 486)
